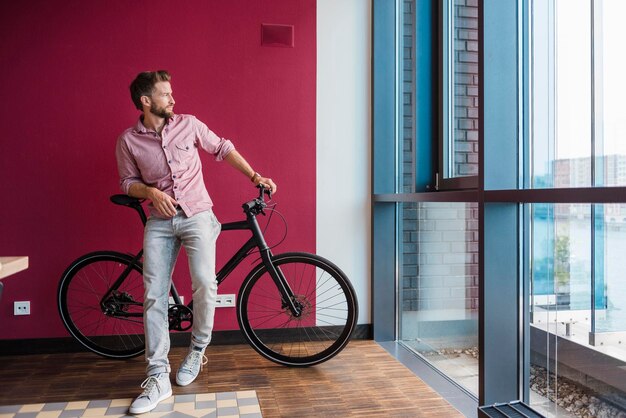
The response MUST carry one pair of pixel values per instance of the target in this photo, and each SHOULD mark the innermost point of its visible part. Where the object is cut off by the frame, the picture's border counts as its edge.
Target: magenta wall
(65, 68)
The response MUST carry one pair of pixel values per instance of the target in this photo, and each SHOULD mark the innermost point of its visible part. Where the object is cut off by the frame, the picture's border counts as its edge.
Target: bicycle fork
(286, 293)
(276, 274)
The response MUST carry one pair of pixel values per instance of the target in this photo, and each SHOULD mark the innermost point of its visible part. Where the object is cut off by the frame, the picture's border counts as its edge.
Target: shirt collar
(140, 128)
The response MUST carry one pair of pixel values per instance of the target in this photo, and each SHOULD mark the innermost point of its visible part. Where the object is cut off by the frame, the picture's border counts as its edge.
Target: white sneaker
(191, 366)
(155, 389)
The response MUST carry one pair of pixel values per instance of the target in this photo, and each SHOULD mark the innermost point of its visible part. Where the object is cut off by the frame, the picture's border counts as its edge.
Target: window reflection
(439, 286)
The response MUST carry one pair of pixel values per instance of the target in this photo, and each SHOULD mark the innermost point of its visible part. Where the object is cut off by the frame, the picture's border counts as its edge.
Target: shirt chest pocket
(184, 152)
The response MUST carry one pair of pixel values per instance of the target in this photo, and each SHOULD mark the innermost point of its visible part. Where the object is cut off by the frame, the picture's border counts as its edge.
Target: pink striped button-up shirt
(170, 162)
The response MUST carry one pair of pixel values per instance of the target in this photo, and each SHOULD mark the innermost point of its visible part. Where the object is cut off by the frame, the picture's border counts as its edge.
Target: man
(158, 160)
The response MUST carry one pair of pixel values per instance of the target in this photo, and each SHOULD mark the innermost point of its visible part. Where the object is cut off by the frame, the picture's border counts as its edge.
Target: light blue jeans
(162, 242)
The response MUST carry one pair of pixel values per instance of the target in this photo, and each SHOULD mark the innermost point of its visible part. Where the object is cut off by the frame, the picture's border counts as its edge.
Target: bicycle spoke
(326, 315)
(96, 314)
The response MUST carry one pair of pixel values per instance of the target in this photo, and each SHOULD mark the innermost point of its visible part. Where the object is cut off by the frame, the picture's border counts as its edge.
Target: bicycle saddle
(122, 199)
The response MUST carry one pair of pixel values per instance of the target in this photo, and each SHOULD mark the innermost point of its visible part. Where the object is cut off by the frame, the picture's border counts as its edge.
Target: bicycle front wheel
(106, 320)
(328, 304)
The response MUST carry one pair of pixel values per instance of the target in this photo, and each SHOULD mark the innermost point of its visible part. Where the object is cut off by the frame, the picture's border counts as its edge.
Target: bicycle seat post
(141, 212)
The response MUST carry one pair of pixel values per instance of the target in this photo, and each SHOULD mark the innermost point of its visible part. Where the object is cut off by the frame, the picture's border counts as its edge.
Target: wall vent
(277, 35)
(508, 410)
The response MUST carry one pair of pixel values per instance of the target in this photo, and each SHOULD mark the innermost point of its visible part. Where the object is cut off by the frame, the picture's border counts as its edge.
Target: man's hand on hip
(163, 203)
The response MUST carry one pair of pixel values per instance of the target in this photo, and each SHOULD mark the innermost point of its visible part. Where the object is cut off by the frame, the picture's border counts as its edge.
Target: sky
(573, 77)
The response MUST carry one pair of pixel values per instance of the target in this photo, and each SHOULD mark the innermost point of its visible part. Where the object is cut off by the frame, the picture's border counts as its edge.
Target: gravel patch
(576, 399)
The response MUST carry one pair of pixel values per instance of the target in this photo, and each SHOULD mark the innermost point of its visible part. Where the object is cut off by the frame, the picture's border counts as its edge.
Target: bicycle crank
(180, 317)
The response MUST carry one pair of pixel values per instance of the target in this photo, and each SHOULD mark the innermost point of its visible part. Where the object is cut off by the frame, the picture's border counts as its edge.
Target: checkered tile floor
(243, 404)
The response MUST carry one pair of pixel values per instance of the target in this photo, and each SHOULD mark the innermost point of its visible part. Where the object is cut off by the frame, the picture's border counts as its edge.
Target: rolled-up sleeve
(210, 142)
(126, 166)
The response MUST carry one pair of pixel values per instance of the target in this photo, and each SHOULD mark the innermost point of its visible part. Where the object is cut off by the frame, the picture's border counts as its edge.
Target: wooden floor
(362, 381)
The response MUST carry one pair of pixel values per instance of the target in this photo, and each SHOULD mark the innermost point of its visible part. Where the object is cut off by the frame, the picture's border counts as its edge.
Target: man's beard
(161, 112)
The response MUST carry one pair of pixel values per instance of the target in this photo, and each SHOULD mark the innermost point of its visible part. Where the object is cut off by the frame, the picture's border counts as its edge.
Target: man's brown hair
(143, 85)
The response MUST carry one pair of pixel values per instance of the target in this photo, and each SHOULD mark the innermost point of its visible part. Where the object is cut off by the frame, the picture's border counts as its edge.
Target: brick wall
(440, 256)
(409, 248)
(465, 87)
(407, 130)
(448, 256)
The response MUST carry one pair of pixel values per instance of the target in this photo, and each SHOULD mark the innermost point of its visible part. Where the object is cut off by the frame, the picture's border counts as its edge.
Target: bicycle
(296, 308)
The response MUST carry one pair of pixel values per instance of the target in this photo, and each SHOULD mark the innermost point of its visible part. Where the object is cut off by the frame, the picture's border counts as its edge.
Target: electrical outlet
(225, 301)
(182, 300)
(21, 308)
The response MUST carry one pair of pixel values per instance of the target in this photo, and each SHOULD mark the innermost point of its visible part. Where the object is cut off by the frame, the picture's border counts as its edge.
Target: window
(577, 93)
(438, 292)
(524, 258)
(458, 149)
(437, 242)
(577, 292)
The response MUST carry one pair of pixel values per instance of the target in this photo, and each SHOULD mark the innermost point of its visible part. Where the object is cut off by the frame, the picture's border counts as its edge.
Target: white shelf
(12, 265)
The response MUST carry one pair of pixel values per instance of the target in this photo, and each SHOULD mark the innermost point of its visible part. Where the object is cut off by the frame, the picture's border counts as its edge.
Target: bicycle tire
(330, 311)
(81, 289)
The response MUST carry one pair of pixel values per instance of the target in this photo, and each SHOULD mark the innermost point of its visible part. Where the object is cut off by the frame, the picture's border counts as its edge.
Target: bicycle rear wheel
(107, 322)
(328, 303)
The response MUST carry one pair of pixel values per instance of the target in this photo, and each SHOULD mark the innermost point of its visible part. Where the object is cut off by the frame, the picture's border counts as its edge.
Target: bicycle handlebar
(264, 190)
(257, 205)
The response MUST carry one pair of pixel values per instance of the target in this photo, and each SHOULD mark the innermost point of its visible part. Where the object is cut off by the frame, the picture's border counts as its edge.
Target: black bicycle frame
(257, 240)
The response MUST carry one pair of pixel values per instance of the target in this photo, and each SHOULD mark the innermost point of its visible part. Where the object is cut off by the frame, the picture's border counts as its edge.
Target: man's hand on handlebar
(266, 183)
